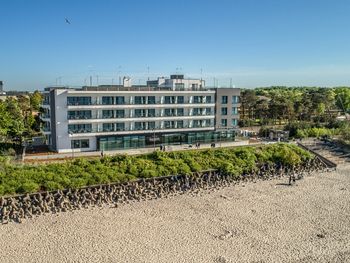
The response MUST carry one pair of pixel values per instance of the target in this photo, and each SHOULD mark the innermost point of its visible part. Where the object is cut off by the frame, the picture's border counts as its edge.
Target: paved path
(51, 156)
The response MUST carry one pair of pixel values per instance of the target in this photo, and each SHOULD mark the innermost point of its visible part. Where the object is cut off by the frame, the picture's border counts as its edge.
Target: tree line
(19, 119)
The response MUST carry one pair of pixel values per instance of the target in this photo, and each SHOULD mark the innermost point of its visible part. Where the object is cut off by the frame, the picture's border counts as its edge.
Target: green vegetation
(18, 120)
(281, 105)
(82, 172)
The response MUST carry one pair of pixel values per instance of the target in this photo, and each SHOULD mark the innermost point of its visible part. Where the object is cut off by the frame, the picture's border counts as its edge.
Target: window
(151, 100)
(223, 122)
(198, 99)
(179, 86)
(79, 128)
(169, 112)
(235, 99)
(180, 99)
(120, 126)
(224, 111)
(180, 124)
(120, 113)
(208, 99)
(107, 127)
(79, 115)
(140, 113)
(169, 124)
(140, 126)
(180, 112)
(151, 113)
(78, 100)
(169, 99)
(107, 100)
(107, 114)
(151, 125)
(224, 100)
(140, 100)
(234, 110)
(80, 144)
(197, 123)
(120, 100)
(234, 122)
(198, 111)
(208, 111)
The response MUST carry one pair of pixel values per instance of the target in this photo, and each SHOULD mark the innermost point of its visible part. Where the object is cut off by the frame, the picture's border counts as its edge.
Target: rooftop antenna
(90, 81)
(148, 72)
(230, 82)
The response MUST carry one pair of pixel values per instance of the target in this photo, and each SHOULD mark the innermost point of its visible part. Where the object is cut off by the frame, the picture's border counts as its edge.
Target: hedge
(17, 179)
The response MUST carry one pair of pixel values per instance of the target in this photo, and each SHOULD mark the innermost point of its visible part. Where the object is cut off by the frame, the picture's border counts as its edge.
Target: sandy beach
(254, 222)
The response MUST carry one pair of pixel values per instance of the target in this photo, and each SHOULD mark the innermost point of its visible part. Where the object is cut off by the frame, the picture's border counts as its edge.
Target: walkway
(58, 156)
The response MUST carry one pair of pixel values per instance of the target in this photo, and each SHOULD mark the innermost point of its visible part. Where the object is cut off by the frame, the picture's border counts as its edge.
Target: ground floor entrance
(118, 142)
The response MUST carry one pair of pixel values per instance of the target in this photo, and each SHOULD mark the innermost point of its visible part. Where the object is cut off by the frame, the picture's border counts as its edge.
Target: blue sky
(254, 42)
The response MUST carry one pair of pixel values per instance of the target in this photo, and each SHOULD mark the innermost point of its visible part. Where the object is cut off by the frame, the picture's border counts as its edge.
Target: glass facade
(109, 143)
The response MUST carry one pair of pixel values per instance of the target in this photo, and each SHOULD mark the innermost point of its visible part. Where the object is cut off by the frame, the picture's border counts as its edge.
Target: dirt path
(262, 222)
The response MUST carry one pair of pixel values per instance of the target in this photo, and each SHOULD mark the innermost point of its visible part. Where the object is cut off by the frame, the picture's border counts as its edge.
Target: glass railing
(101, 130)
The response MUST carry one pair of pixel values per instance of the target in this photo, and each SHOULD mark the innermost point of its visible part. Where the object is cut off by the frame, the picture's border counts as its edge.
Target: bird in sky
(67, 21)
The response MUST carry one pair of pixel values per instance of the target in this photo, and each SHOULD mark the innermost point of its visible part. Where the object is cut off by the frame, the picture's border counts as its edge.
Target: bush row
(15, 179)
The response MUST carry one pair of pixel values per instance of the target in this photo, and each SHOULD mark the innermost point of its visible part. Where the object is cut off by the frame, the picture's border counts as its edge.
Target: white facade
(185, 112)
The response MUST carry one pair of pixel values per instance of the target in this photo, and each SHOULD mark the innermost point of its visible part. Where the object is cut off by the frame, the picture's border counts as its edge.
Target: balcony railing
(101, 130)
(96, 103)
(157, 115)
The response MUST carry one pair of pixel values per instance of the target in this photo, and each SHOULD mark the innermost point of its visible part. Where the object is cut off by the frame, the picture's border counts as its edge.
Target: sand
(256, 222)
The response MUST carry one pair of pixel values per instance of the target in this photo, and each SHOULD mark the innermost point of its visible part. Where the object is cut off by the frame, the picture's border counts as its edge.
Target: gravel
(261, 222)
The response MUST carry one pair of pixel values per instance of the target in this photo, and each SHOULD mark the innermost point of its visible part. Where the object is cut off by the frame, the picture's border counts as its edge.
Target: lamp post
(71, 144)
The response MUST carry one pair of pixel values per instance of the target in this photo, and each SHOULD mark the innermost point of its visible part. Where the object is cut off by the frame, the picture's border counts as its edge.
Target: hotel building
(113, 117)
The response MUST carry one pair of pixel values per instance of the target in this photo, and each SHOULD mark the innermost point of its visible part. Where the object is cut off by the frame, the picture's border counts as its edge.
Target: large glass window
(80, 143)
(140, 126)
(78, 100)
(223, 122)
(140, 100)
(208, 99)
(180, 112)
(180, 86)
(107, 100)
(108, 127)
(140, 113)
(151, 113)
(120, 113)
(180, 124)
(223, 111)
(234, 110)
(151, 100)
(120, 126)
(169, 124)
(169, 99)
(107, 114)
(224, 99)
(169, 112)
(119, 100)
(235, 99)
(208, 111)
(151, 125)
(180, 99)
(234, 122)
